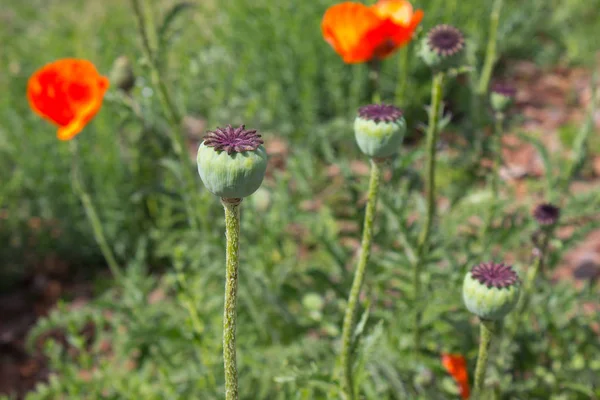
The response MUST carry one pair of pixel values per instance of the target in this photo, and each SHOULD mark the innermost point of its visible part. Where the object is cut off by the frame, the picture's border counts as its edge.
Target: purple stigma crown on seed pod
(504, 89)
(495, 275)
(445, 40)
(546, 214)
(380, 113)
(233, 140)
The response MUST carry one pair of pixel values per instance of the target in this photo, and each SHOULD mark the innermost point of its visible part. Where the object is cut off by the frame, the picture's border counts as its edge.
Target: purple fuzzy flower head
(445, 40)
(495, 275)
(380, 113)
(233, 140)
(504, 89)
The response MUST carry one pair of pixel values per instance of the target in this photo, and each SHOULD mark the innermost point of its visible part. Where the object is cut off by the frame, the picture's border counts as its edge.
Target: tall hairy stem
(423, 244)
(485, 339)
(359, 276)
(495, 176)
(374, 80)
(402, 82)
(232, 232)
(491, 50)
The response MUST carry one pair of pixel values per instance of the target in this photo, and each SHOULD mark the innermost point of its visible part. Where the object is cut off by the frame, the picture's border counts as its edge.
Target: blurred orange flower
(400, 23)
(359, 33)
(67, 92)
(456, 365)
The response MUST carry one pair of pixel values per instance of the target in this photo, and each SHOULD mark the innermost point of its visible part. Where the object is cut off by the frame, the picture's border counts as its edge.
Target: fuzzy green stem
(374, 75)
(487, 331)
(490, 53)
(540, 254)
(402, 75)
(359, 275)
(423, 244)
(521, 308)
(495, 177)
(232, 232)
(497, 154)
(91, 214)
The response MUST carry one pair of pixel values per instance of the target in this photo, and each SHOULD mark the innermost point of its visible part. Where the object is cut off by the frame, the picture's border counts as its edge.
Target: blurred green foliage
(264, 63)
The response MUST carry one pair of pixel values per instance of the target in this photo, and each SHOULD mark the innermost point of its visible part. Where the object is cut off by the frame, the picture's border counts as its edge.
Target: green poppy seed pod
(491, 290)
(121, 74)
(379, 130)
(232, 162)
(443, 47)
(502, 97)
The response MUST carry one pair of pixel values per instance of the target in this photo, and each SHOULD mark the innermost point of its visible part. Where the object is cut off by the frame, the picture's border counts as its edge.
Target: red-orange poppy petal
(404, 35)
(353, 30)
(456, 365)
(68, 93)
(400, 24)
(399, 11)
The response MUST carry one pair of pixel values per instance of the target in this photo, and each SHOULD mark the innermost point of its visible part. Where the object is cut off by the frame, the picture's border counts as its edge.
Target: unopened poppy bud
(379, 130)
(122, 75)
(491, 290)
(502, 97)
(443, 47)
(232, 162)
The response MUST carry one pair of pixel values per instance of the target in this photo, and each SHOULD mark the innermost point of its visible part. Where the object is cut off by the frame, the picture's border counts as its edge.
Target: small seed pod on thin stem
(490, 291)
(232, 164)
(443, 48)
(379, 130)
(502, 96)
(547, 216)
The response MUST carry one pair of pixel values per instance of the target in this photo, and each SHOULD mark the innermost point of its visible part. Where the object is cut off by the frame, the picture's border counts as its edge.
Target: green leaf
(170, 17)
(550, 180)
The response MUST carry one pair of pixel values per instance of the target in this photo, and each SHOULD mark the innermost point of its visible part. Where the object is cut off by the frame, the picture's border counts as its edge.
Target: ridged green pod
(379, 130)
(232, 162)
(496, 296)
(442, 48)
(502, 97)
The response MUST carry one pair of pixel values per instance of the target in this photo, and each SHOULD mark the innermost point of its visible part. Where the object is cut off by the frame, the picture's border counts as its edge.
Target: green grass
(265, 64)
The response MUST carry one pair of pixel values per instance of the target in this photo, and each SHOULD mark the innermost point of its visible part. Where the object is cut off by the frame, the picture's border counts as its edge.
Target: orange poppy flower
(68, 93)
(401, 23)
(353, 30)
(456, 365)
(360, 33)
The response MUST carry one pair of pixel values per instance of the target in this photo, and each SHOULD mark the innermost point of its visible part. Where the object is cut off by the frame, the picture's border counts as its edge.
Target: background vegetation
(264, 63)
